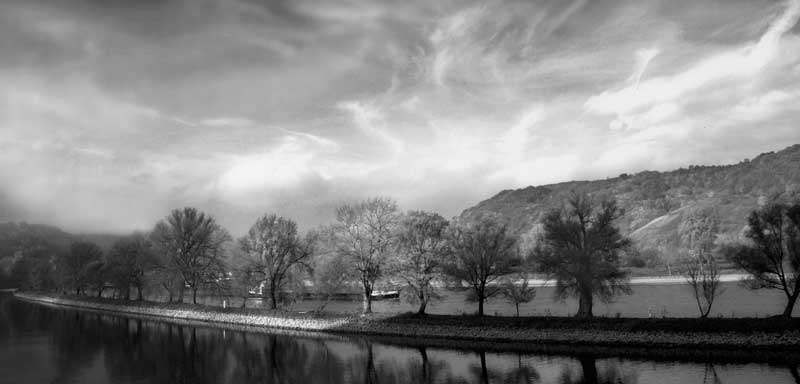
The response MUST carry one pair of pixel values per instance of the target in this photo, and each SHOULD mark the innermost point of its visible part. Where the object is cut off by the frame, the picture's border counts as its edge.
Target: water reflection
(589, 374)
(70, 346)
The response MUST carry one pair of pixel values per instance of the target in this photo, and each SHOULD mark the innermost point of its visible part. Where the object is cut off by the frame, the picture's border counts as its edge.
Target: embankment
(734, 335)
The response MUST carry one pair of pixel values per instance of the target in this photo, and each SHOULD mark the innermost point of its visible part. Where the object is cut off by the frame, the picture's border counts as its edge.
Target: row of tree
(372, 242)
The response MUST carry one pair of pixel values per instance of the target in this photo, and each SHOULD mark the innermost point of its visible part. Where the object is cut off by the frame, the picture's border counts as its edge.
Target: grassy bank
(718, 334)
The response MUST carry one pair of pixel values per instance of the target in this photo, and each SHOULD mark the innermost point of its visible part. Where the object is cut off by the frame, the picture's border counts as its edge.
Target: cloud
(370, 120)
(112, 113)
(740, 65)
(281, 167)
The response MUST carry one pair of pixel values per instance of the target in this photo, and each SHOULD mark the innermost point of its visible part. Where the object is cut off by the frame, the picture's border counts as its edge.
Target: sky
(114, 112)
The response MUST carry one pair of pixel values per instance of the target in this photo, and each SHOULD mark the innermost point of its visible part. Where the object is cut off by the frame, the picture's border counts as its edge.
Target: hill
(17, 239)
(655, 203)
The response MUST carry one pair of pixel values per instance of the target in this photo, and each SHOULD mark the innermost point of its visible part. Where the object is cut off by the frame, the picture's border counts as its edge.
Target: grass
(622, 324)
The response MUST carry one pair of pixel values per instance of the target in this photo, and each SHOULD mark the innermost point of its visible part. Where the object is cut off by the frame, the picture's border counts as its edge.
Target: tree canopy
(77, 266)
(422, 250)
(273, 249)
(193, 243)
(580, 248)
(481, 253)
(364, 234)
(772, 258)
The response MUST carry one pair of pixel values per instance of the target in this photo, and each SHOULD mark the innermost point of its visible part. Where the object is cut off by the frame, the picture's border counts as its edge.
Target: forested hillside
(656, 203)
(37, 241)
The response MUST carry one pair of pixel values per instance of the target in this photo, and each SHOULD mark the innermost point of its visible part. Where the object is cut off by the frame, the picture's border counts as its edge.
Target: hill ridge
(654, 202)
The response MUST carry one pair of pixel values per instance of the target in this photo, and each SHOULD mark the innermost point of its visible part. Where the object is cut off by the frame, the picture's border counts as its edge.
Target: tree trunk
(422, 303)
(371, 375)
(244, 302)
(484, 370)
(480, 293)
(517, 305)
(589, 369)
(180, 293)
(273, 303)
(480, 305)
(585, 304)
(787, 312)
(194, 295)
(703, 314)
(424, 356)
(99, 292)
(367, 299)
(139, 295)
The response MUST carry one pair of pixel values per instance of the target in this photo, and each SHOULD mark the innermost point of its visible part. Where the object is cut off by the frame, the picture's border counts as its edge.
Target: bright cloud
(112, 113)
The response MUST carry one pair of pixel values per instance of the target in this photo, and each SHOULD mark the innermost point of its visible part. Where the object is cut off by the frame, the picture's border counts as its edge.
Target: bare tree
(702, 274)
(364, 234)
(274, 249)
(97, 276)
(75, 267)
(421, 252)
(773, 257)
(581, 248)
(697, 233)
(481, 253)
(331, 273)
(245, 276)
(193, 243)
(517, 290)
(167, 275)
(129, 260)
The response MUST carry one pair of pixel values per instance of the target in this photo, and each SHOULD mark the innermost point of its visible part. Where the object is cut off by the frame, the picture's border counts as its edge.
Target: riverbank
(651, 280)
(717, 334)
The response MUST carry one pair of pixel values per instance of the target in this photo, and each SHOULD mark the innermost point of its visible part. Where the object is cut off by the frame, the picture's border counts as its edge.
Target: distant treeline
(373, 244)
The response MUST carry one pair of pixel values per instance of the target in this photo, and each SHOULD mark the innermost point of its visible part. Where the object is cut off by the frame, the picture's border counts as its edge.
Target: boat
(383, 295)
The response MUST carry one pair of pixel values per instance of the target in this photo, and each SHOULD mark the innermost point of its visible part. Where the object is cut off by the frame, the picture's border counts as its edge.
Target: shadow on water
(82, 347)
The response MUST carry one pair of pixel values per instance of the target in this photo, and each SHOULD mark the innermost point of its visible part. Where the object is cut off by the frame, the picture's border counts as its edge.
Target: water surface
(44, 344)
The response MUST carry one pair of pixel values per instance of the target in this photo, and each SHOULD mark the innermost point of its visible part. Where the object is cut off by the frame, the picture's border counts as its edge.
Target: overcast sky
(114, 112)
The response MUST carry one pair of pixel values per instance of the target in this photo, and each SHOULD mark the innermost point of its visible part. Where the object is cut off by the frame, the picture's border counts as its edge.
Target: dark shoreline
(720, 340)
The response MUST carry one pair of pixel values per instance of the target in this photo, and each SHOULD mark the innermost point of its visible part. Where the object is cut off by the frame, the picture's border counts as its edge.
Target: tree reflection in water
(88, 347)
(589, 374)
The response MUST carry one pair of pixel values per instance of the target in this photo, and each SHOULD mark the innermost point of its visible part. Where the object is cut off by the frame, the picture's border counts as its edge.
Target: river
(45, 344)
(646, 300)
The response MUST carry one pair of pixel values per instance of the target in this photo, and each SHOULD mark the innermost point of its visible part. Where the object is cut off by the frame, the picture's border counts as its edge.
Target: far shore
(764, 334)
(651, 280)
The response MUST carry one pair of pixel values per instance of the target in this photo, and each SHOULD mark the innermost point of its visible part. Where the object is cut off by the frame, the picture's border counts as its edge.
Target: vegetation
(272, 250)
(518, 293)
(129, 260)
(481, 253)
(698, 233)
(772, 257)
(581, 244)
(192, 242)
(580, 248)
(80, 266)
(422, 251)
(702, 274)
(364, 235)
(653, 204)
(331, 274)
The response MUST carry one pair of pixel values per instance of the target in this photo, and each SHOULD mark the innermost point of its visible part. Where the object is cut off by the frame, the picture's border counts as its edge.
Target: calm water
(670, 300)
(41, 344)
